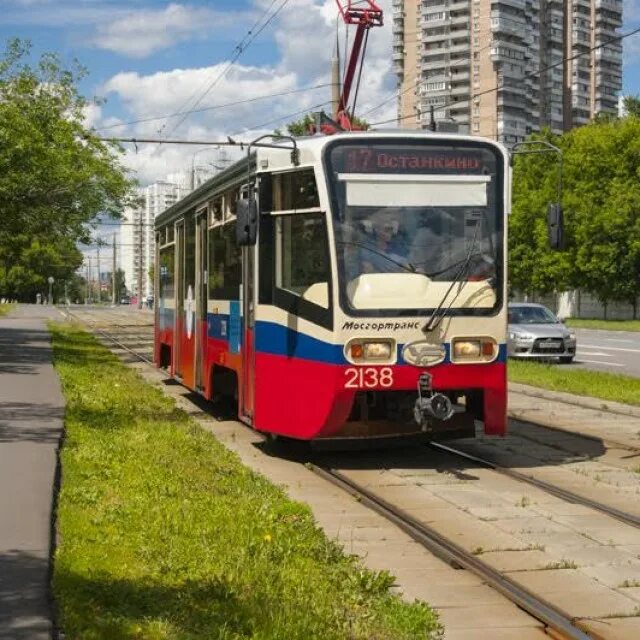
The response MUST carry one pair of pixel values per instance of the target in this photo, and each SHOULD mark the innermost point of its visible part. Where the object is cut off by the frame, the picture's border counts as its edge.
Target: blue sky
(148, 57)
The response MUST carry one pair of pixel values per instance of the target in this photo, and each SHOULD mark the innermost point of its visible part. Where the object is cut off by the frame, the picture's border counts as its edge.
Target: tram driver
(384, 249)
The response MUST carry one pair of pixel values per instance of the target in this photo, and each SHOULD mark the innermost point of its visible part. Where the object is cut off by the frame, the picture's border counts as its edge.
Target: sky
(153, 58)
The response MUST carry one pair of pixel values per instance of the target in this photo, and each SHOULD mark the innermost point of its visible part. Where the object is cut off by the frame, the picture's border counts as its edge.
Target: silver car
(536, 333)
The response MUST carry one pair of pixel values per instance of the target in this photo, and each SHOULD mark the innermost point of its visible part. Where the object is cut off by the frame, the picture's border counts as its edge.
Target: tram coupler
(430, 405)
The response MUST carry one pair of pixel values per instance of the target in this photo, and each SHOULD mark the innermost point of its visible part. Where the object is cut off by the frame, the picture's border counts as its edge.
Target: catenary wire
(218, 106)
(240, 49)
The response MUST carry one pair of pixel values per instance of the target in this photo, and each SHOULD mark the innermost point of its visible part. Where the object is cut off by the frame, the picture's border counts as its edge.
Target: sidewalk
(31, 421)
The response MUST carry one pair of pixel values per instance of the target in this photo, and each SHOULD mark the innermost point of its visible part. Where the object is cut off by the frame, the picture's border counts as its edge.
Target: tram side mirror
(246, 222)
(555, 226)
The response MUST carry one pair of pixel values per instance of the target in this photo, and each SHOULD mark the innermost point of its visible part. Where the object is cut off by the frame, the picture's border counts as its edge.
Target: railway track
(557, 623)
(553, 618)
(552, 489)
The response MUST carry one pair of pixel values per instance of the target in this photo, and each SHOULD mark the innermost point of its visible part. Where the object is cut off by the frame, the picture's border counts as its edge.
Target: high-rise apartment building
(137, 236)
(503, 68)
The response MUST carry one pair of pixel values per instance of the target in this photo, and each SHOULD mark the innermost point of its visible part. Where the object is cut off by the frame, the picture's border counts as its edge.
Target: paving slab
(613, 628)
(530, 633)
(31, 422)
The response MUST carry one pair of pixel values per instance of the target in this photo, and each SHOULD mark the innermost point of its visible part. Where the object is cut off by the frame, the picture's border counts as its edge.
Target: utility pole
(86, 299)
(140, 267)
(99, 282)
(114, 293)
(335, 79)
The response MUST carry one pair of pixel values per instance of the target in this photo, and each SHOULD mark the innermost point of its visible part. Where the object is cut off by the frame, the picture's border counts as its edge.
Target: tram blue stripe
(277, 339)
(280, 340)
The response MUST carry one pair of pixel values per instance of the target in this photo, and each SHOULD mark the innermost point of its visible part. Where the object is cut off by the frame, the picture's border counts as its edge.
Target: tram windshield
(416, 227)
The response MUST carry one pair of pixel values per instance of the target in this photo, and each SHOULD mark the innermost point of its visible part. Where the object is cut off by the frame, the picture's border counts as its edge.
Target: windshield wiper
(406, 266)
(435, 319)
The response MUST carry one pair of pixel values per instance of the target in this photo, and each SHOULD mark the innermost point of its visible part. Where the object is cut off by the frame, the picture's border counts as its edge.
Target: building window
(476, 127)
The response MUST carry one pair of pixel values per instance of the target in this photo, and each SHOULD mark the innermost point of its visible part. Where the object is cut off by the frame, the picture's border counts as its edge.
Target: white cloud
(307, 26)
(92, 114)
(141, 33)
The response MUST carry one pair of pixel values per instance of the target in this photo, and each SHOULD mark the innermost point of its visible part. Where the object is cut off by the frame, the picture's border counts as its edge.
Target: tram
(343, 287)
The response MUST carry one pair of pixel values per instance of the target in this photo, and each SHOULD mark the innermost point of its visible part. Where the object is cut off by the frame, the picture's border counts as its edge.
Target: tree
(601, 201)
(55, 175)
(303, 126)
(631, 105)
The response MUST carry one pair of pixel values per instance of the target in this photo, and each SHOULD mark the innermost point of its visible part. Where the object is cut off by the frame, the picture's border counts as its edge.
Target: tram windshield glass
(417, 226)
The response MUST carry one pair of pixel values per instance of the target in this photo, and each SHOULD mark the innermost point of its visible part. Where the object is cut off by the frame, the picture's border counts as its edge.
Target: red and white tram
(355, 287)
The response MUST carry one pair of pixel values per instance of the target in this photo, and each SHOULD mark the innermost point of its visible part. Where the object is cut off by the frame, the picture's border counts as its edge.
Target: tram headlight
(377, 350)
(474, 349)
(466, 349)
(359, 350)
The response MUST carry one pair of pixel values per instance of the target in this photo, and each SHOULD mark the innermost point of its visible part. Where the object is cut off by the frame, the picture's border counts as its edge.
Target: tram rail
(559, 492)
(562, 624)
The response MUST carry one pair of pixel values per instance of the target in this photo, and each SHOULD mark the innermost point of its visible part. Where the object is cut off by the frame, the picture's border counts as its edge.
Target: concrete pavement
(31, 422)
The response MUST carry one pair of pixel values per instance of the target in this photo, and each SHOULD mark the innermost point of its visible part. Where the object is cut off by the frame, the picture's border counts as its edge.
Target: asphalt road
(613, 351)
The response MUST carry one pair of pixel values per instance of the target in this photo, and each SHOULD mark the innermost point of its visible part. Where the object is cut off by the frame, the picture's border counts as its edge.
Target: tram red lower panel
(306, 399)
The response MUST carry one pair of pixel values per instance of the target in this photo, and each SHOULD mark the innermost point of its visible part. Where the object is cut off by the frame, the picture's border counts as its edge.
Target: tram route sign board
(410, 159)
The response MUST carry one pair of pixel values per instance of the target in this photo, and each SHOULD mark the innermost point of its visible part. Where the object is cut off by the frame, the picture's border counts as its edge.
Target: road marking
(601, 346)
(618, 340)
(604, 364)
(595, 353)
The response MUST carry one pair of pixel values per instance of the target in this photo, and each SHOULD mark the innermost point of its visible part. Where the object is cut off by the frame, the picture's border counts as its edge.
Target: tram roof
(313, 144)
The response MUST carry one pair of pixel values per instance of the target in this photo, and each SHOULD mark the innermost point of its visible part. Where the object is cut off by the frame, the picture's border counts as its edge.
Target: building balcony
(428, 38)
(459, 48)
(516, 4)
(440, 22)
(461, 21)
(611, 5)
(461, 90)
(505, 25)
(398, 55)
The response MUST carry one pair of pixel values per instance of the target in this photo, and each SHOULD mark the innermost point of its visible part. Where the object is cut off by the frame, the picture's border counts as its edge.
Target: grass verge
(597, 384)
(163, 533)
(607, 325)
(5, 308)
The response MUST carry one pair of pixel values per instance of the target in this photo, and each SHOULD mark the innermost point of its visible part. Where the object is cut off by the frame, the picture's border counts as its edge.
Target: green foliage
(606, 325)
(164, 534)
(302, 127)
(597, 384)
(601, 202)
(55, 176)
(631, 105)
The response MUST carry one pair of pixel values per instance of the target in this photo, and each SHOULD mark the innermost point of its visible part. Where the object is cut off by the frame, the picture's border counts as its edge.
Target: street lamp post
(50, 280)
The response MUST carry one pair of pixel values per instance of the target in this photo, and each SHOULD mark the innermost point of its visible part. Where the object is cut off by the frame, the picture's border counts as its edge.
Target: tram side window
(224, 263)
(302, 258)
(295, 190)
(167, 273)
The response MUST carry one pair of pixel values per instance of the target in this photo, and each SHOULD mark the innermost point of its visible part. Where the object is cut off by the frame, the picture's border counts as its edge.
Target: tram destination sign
(414, 160)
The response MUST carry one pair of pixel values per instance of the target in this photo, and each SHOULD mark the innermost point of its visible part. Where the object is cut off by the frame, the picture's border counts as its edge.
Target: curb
(595, 404)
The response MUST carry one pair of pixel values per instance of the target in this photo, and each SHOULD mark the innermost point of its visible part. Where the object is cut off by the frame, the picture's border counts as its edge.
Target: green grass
(608, 325)
(607, 386)
(5, 308)
(164, 534)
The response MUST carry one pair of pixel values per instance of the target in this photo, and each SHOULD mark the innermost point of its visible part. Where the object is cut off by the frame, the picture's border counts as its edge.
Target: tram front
(420, 244)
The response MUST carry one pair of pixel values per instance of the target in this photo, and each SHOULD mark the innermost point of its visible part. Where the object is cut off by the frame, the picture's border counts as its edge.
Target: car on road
(535, 333)
(125, 300)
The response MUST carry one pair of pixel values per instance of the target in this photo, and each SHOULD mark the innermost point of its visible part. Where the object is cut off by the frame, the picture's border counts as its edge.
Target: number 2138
(368, 377)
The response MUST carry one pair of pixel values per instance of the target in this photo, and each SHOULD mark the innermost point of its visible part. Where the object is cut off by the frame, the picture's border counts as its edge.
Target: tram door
(201, 297)
(179, 302)
(247, 395)
(189, 330)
